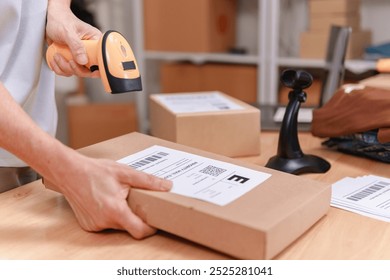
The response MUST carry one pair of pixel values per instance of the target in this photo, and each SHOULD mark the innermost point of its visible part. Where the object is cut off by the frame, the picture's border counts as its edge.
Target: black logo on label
(238, 178)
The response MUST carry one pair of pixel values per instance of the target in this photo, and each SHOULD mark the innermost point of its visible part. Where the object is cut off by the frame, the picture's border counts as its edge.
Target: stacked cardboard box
(325, 13)
(313, 94)
(238, 81)
(227, 127)
(89, 123)
(189, 26)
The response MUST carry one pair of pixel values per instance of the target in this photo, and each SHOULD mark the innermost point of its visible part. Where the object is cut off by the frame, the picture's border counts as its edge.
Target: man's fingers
(78, 50)
(143, 180)
(133, 224)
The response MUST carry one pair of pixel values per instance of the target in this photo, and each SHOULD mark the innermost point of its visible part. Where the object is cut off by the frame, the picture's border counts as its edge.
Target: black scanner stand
(289, 157)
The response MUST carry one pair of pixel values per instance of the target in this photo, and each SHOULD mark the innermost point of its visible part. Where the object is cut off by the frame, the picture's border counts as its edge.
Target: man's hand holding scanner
(65, 29)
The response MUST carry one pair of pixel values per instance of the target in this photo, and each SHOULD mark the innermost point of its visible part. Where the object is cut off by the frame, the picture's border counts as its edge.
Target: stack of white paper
(367, 195)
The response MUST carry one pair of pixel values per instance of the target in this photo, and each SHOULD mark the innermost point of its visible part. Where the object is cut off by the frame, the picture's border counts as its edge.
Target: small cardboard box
(334, 7)
(211, 121)
(258, 225)
(322, 23)
(238, 81)
(90, 123)
(313, 94)
(314, 45)
(190, 26)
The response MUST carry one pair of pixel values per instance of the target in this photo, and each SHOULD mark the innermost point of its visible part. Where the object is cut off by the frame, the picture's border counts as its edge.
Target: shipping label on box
(210, 121)
(195, 176)
(259, 222)
(197, 102)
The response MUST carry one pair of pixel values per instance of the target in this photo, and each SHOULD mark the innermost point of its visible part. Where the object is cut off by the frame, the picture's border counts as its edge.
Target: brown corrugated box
(228, 132)
(323, 23)
(238, 81)
(189, 26)
(335, 7)
(314, 45)
(258, 225)
(313, 94)
(90, 123)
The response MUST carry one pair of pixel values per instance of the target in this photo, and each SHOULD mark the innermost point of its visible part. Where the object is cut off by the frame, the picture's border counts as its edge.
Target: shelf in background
(199, 58)
(353, 65)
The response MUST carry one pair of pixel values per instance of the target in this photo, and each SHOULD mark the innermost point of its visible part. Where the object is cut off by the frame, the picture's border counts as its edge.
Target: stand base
(304, 164)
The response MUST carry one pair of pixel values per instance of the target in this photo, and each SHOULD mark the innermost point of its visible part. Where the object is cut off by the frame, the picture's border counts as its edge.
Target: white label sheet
(305, 115)
(197, 102)
(195, 176)
(367, 195)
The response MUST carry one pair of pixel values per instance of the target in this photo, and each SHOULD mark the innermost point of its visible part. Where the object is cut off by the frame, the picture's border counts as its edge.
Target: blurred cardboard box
(259, 224)
(211, 121)
(323, 23)
(189, 26)
(181, 77)
(238, 81)
(313, 94)
(314, 45)
(334, 7)
(90, 123)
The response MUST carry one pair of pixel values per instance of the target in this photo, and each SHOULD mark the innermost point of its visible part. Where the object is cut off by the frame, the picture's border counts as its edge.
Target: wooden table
(38, 224)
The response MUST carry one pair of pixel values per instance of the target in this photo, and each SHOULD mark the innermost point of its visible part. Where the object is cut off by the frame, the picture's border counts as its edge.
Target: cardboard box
(189, 26)
(315, 45)
(89, 123)
(181, 77)
(334, 7)
(258, 225)
(230, 132)
(238, 81)
(324, 23)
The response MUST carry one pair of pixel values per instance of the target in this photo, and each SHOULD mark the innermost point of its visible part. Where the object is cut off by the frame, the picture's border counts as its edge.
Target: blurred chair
(335, 57)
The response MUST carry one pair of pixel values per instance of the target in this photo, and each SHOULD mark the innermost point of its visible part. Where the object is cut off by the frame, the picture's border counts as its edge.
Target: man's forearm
(23, 138)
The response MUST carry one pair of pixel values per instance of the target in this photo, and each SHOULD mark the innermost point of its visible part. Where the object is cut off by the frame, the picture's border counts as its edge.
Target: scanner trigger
(94, 68)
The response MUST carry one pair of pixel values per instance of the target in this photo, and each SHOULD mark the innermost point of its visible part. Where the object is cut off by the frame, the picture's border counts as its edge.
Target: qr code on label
(212, 170)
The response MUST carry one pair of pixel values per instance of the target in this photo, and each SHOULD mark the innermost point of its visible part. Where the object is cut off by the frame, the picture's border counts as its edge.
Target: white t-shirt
(23, 69)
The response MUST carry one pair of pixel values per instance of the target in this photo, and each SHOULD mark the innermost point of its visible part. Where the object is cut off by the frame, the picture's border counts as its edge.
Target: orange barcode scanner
(112, 56)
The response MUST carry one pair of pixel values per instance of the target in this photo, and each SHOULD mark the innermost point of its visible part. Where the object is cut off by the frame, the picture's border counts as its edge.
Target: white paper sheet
(367, 195)
(305, 115)
(196, 176)
(197, 102)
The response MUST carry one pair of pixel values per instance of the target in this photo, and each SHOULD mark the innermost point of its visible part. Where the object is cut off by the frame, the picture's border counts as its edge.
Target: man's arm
(96, 189)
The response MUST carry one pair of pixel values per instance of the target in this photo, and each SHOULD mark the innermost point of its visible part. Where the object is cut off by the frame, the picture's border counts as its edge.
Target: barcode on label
(147, 160)
(212, 170)
(368, 191)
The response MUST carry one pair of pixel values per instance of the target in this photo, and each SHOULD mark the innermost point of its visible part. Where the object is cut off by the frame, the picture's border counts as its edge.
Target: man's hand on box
(98, 192)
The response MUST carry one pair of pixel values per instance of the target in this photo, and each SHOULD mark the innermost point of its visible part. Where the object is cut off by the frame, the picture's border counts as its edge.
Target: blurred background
(236, 46)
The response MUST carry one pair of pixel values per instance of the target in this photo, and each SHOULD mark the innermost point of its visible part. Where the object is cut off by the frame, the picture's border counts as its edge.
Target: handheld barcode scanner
(112, 56)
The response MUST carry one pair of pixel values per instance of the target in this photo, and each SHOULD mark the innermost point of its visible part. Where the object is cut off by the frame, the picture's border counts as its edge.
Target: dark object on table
(290, 157)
